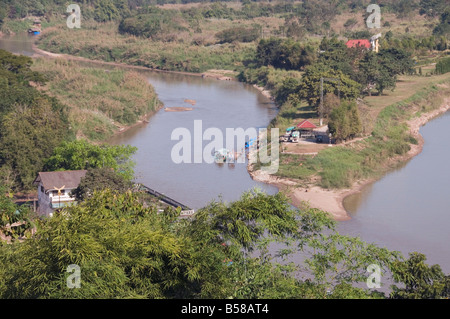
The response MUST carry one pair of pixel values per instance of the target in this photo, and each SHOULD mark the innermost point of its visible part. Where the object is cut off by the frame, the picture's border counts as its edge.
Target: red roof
(356, 43)
(306, 124)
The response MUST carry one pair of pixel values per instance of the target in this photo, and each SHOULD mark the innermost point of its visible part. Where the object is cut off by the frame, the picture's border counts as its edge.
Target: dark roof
(58, 179)
(356, 43)
(306, 124)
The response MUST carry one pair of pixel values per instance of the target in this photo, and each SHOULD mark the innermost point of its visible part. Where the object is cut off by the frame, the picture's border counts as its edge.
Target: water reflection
(20, 43)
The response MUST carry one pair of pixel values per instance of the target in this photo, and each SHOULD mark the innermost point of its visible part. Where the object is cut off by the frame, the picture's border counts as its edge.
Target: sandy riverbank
(332, 200)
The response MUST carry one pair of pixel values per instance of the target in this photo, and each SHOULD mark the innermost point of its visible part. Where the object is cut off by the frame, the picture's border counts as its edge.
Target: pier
(185, 210)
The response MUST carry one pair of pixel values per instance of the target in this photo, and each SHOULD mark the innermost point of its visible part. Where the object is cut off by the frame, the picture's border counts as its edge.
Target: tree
(330, 102)
(432, 8)
(97, 179)
(443, 66)
(284, 54)
(14, 219)
(31, 123)
(342, 85)
(126, 250)
(344, 121)
(105, 10)
(239, 34)
(288, 90)
(123, 250)
(381, 70)
(443, 28)
(420, 280)
(29, 135)
(81, 154)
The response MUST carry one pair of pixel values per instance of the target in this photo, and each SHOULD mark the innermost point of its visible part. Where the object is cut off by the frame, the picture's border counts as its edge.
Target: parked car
(319, 139)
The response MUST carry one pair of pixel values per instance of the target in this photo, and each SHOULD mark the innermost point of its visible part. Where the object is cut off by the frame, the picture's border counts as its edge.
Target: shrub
(238, 34)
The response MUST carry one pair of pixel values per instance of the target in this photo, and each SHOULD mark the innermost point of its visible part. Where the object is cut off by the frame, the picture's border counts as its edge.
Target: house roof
(58, 179)
(306, 124)
(356, 43)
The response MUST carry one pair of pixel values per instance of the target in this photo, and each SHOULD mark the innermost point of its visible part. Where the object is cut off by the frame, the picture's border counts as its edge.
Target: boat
(222, 155)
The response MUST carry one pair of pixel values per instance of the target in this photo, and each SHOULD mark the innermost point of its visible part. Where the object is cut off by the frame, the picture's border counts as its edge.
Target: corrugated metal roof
(356, 43)
(58, 179)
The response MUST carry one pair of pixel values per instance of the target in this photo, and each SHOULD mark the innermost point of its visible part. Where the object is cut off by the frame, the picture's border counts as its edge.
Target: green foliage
(341, 86)
(153, 24)
(81, 154)
(432, 8)
(238, 34)
(99, 101)
(283, 53)
(443, 66)
(420, 281)
(98, 179)
(288, 91)
(31, 123)
(125, 250)
(444, 26)
(105, 10)
(14, 219)
(330, 102)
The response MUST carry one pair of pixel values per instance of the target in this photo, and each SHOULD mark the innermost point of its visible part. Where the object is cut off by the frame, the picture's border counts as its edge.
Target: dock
(185, 210)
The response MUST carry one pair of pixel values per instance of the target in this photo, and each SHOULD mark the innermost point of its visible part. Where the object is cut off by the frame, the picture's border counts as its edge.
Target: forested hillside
(31, 122)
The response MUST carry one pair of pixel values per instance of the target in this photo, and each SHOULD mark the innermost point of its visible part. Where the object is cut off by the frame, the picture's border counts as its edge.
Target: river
(407, 210)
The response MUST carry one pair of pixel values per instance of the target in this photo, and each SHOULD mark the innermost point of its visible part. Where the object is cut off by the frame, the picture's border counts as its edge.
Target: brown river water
(406, 210)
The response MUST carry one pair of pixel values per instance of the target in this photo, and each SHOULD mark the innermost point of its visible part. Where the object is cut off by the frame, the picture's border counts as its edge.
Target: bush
(238, 34)
(344, 121)
(443, 66)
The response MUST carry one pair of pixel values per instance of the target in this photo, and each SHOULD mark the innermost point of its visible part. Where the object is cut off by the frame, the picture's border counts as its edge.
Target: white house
(54, 189)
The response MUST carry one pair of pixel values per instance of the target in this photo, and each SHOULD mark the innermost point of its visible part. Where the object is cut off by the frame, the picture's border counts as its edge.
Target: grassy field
(101, 102)
(103, 42)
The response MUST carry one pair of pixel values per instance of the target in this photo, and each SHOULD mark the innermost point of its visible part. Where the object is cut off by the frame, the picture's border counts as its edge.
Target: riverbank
(208, 74)
(100, 102)
(332, 200)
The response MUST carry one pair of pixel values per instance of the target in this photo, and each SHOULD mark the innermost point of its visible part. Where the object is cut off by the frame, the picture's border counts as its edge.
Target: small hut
(36, 28)
(306, 127)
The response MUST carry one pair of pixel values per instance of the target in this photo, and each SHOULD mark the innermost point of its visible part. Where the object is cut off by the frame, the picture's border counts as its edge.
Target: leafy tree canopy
(126, 250)
(31, 123)
(345, 121)
(14, 219)
(420, 280)
(81, 154)
(97, 179)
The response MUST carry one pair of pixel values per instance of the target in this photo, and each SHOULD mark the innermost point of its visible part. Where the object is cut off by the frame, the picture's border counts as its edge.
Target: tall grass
(100, 101)
(103, 42)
